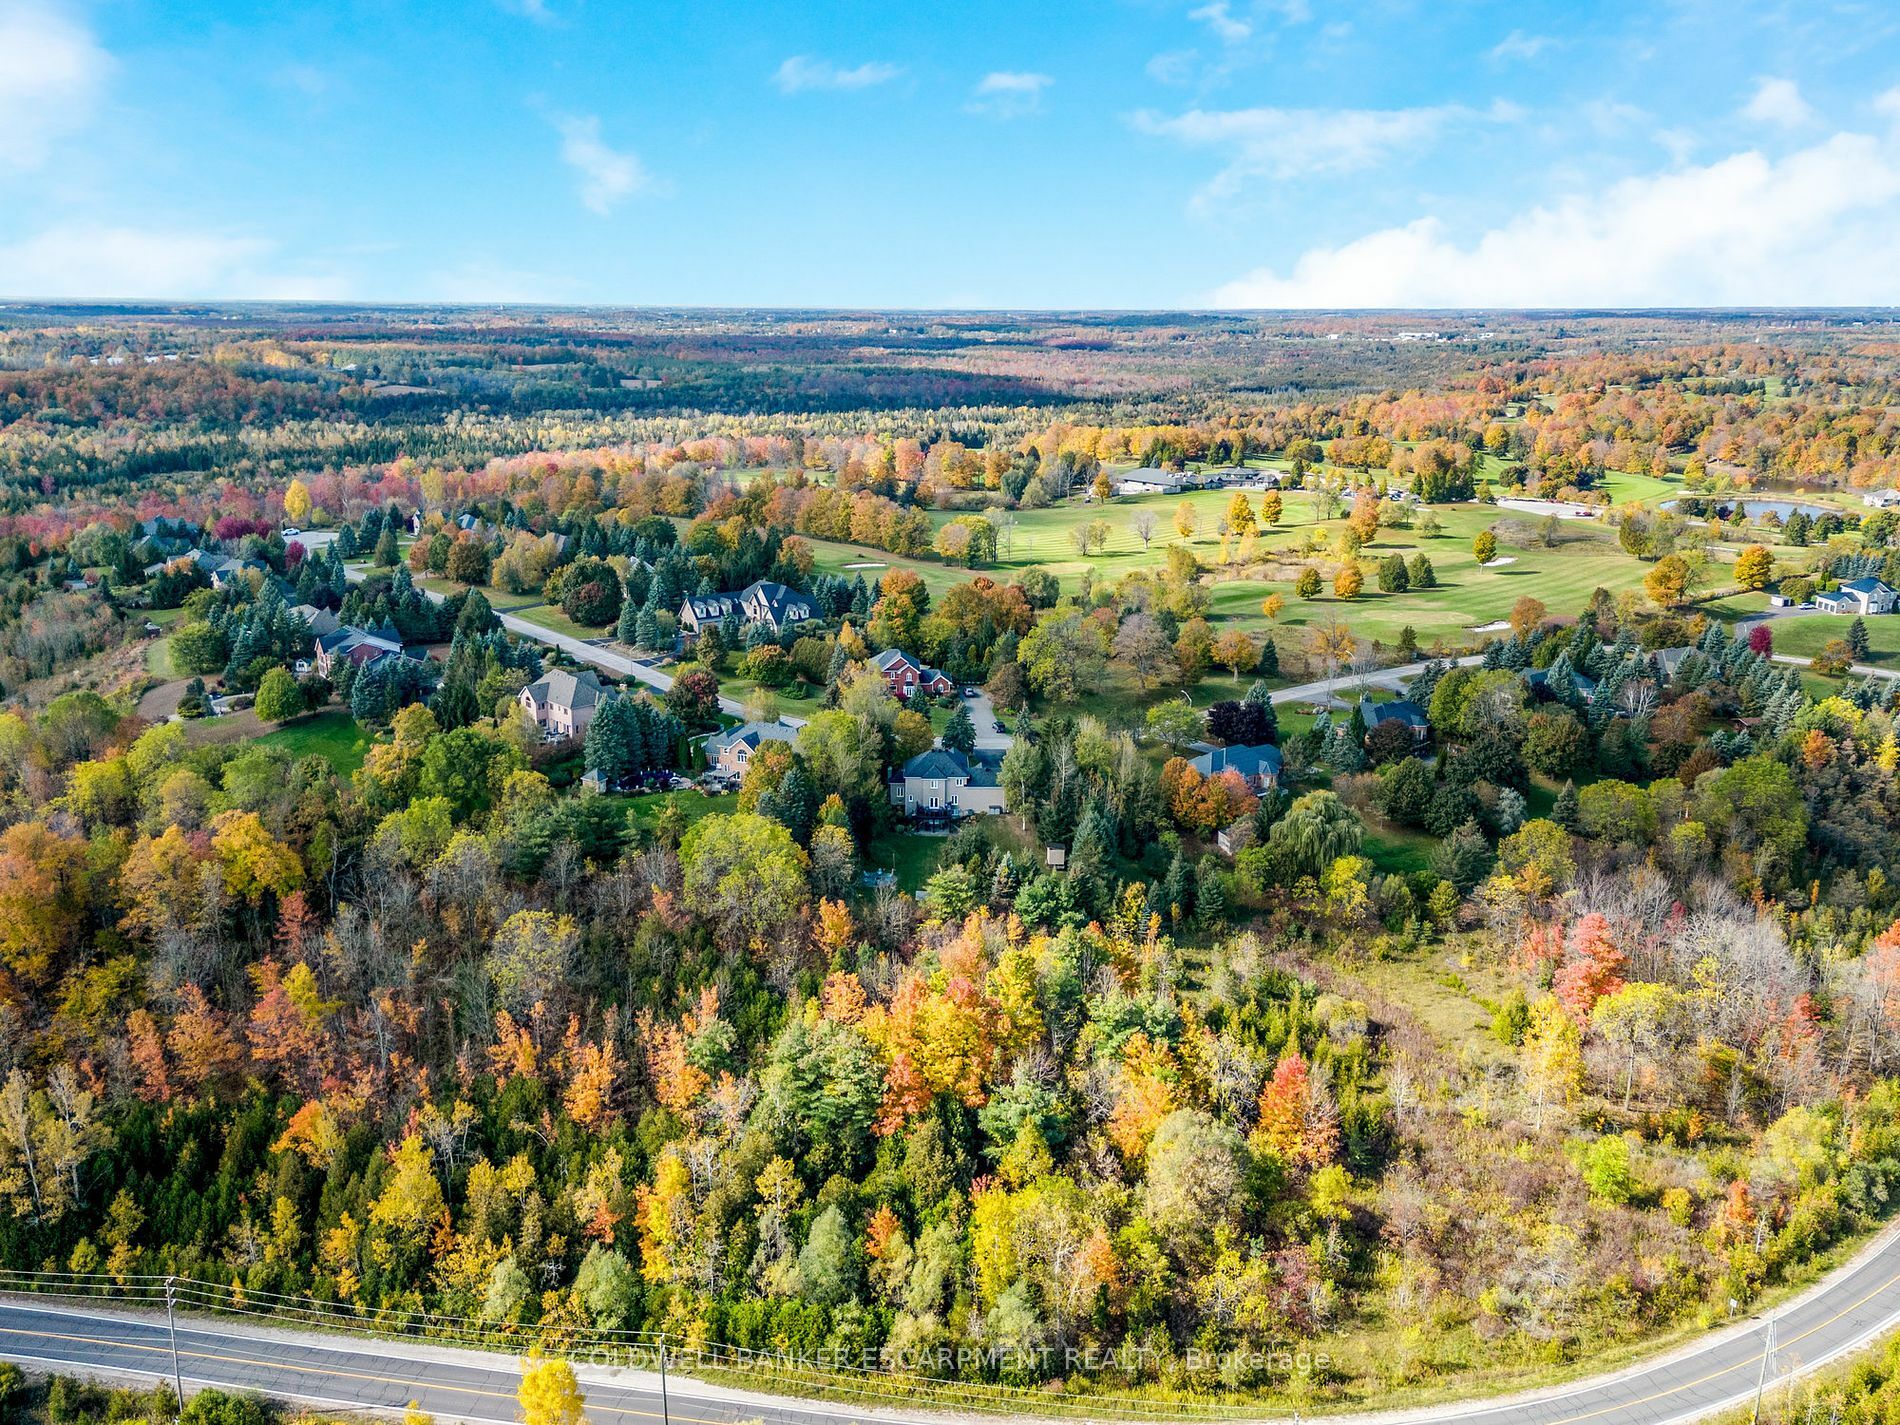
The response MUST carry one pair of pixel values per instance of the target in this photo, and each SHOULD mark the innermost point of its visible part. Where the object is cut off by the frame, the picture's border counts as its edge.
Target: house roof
(567, 689)
(321, 621)
(1262, 761)
(943, 764)
(752, 735)
(1865, 585)
(891, 657)
(1153, 475)
(711, 605)
(1407, 712)
(778, 599)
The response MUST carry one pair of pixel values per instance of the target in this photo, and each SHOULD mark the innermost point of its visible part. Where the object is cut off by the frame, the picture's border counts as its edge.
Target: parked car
(972, 692)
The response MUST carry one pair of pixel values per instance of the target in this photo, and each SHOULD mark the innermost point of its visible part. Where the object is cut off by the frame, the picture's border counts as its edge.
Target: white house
(1881, 499)
(1858, 596)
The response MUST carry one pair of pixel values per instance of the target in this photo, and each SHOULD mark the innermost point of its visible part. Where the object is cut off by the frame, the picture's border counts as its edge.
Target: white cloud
(536, 10)
(1009, 94)
(1282, 144)
(1219, 18)
(1813, 228)
(1175, 66)
(51, 71)
(607, 175)
(802, 72)
(1778, 102)
(95, 261)
(1518, 45)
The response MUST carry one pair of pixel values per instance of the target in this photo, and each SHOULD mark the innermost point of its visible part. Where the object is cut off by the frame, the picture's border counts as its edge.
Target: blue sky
(1139, 154)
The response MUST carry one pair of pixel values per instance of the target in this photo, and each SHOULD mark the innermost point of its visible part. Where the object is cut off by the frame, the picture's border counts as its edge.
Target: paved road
(1391, 678)
(1848, 1310)
(580, 648)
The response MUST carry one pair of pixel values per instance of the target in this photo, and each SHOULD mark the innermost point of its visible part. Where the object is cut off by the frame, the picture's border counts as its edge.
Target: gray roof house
(1258, 766)
(1402, 711)
(944, 783)
(358, 645)
(1152, 481)
(563, 702)
(321, 621)
(732, 750)
(772, 604)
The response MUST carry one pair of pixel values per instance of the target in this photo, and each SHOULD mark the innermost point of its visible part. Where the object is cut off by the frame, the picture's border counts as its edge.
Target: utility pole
(1761, 1383)
(171, 1329)
(666, 1415)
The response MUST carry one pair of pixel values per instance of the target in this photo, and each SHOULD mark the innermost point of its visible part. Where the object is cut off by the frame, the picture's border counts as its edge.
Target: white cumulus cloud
(802, 72)
(84, 260)
(1009, 93)
(1778, 102)
(607, 175)
(51, 72)
(1813, 228)
(1281, 144)
(1228, 27)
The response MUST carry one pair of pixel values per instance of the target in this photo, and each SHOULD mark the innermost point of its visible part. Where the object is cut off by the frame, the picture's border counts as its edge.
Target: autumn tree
(745, 874)
(1240, 516)
(297, 502)
(1754, 567)
(1667, 582)
(1235, 651)
(549, 1394)
(1484, 546)
(1143, 648)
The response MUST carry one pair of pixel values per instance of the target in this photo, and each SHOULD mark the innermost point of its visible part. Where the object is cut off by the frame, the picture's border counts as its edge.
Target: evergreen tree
(1857, 639)
(960, 734)
(1566, 812)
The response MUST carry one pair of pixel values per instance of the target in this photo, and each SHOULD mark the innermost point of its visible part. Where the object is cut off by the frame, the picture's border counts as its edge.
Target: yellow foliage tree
(297, 502)
(549, 1394)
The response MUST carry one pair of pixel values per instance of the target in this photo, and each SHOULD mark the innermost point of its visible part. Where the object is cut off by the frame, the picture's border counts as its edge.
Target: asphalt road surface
(1850, 1309)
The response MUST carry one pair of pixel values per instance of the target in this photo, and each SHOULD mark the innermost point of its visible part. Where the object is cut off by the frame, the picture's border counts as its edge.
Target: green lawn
(1467, 595)
(1623, 486)
(1805, 636)
(333, 735)
(695, 804)
(549, 616)
(497, 599)
(158, 659)
(912, 856)
(1397, 850)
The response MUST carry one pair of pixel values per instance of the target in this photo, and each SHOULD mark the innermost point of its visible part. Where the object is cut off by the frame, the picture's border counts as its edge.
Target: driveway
(989, 736)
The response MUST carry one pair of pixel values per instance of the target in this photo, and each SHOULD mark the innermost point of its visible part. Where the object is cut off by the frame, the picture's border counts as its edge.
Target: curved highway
(1847, 1311)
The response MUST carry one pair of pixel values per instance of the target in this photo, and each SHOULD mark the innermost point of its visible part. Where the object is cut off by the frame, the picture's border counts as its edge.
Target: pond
(1703, 506)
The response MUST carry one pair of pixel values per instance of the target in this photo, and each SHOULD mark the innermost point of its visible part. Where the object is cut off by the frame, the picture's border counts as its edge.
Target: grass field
(645, 810)
(158, 659)
(550, 617)
(1807, 635)
(332, 735)
(497, 599)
